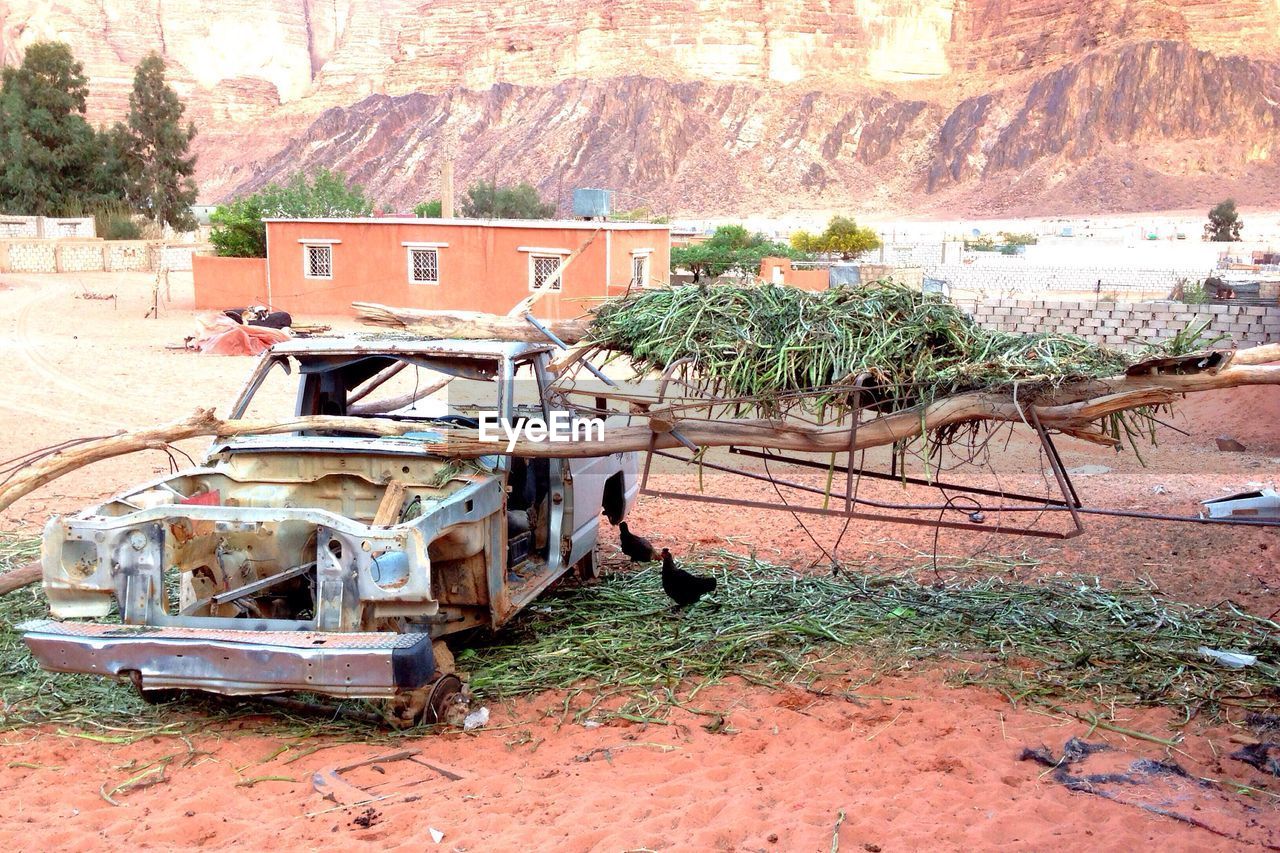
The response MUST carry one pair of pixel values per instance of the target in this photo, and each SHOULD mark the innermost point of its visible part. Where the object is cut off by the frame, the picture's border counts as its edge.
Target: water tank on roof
(591, 203)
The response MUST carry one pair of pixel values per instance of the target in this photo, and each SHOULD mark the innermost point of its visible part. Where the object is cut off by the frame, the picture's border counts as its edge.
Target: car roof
(391, 344)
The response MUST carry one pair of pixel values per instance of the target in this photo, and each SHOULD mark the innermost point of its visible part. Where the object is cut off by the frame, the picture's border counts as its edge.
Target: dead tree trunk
(468, 325)
(1072, 409)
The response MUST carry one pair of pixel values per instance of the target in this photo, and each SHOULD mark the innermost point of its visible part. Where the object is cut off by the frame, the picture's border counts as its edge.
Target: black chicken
(684, 587)
(635, 547)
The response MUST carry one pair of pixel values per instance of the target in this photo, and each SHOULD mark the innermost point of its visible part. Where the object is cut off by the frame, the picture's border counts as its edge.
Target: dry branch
(468, 325)
(18, 578)
(1074, 417)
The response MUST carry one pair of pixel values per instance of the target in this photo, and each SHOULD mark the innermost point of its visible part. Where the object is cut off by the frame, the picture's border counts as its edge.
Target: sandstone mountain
(715, 106)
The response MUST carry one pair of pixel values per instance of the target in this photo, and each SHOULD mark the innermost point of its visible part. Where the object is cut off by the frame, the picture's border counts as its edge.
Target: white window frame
(643, 258)
(307, 248)
(534, 257)
(409, 253)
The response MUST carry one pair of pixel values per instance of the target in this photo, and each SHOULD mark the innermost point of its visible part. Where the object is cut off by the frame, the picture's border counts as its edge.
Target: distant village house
(321, 266)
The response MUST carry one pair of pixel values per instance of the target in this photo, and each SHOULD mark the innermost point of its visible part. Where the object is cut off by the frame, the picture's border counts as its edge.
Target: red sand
(913, 764)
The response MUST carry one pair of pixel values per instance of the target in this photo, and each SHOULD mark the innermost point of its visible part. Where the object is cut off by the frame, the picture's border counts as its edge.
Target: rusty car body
(329, 563)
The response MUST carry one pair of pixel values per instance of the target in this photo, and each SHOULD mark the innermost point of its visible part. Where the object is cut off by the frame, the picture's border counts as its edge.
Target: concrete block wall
(52, 228)
(76, 255)
(1005, 278)
(127, 255)
(31, 256)
(1128, 324)
(173, 257)
(19, 226)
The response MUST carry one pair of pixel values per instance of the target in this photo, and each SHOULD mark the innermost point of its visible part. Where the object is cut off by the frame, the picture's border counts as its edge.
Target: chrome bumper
(365, 665)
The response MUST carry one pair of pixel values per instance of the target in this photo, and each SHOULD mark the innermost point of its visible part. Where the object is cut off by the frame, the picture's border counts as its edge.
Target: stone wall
(991, 280)
(76, 255)
(1128, 324)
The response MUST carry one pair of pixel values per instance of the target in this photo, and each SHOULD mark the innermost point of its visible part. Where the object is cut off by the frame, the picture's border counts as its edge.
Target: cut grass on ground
(617, 645)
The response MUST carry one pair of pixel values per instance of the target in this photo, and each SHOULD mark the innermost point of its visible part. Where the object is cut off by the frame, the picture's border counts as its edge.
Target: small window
(424, 266)
(639, 270)
(317, 261)
(541, 268)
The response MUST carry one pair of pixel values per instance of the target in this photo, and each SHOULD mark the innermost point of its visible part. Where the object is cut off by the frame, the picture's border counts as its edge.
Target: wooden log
(469, 325)
(1075, 417)
(18, 578)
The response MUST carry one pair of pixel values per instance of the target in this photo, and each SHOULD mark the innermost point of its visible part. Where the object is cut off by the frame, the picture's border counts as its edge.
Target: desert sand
(908, 762)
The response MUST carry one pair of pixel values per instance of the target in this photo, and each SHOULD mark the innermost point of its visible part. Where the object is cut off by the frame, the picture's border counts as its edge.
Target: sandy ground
(912, 763)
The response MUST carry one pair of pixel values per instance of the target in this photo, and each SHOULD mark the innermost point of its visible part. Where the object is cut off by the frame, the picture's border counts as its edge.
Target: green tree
(1013, 238)
(158, 166)
(803, 241)
(490, 201)
(1224, 223)
(846, 238)
(433, 209)
(732, 249)
(49, 155)
(238, 227)
(843, 237)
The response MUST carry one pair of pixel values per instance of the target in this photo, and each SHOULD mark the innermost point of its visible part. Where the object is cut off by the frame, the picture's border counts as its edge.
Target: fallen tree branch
(468, 325)
(20, 577)
(1075, 418)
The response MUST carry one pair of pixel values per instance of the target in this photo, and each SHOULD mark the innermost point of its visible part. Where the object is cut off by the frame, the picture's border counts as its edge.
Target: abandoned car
(328, 562)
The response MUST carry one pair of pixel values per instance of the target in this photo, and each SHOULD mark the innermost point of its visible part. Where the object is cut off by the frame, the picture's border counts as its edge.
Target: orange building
(780, 271)
(321, 266)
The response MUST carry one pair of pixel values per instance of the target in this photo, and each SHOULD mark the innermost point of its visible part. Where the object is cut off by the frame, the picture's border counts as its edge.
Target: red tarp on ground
(218, 334)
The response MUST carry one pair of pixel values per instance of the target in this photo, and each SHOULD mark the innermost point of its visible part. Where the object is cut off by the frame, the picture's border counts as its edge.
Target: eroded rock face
(712, 105)
(1137, 94)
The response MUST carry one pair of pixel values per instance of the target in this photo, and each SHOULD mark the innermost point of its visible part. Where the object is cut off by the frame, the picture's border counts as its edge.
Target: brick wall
(996, 280)
(173, 257)
(93, 255)
(1128, 324)
(77, 226)
(127, 255)
(78, 256)
(30, 256)
(19, 226)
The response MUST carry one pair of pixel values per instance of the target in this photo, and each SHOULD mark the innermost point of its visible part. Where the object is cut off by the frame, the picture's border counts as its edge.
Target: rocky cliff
(706, 106)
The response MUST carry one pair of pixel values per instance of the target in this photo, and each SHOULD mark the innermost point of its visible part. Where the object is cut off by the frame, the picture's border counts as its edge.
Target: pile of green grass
(772, 345)
(619, 649)
(1047, 640)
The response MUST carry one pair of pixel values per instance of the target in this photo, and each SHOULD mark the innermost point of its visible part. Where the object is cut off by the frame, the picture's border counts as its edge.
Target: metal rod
(864, 501)
(1059, 473)
(868, 516)
(555, 340)
(915, 481)
(250, 588)
(853, 439)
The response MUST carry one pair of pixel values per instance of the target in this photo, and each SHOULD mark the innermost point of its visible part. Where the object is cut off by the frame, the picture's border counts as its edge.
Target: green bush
(1191, 292)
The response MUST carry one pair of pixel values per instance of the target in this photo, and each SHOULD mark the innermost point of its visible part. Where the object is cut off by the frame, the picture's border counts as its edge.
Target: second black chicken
(684, 587)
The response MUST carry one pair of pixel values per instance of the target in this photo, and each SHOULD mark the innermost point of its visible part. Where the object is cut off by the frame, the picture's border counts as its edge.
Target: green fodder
(769, 344)
(1047, 640)
(28, 693)
(1054, 639)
